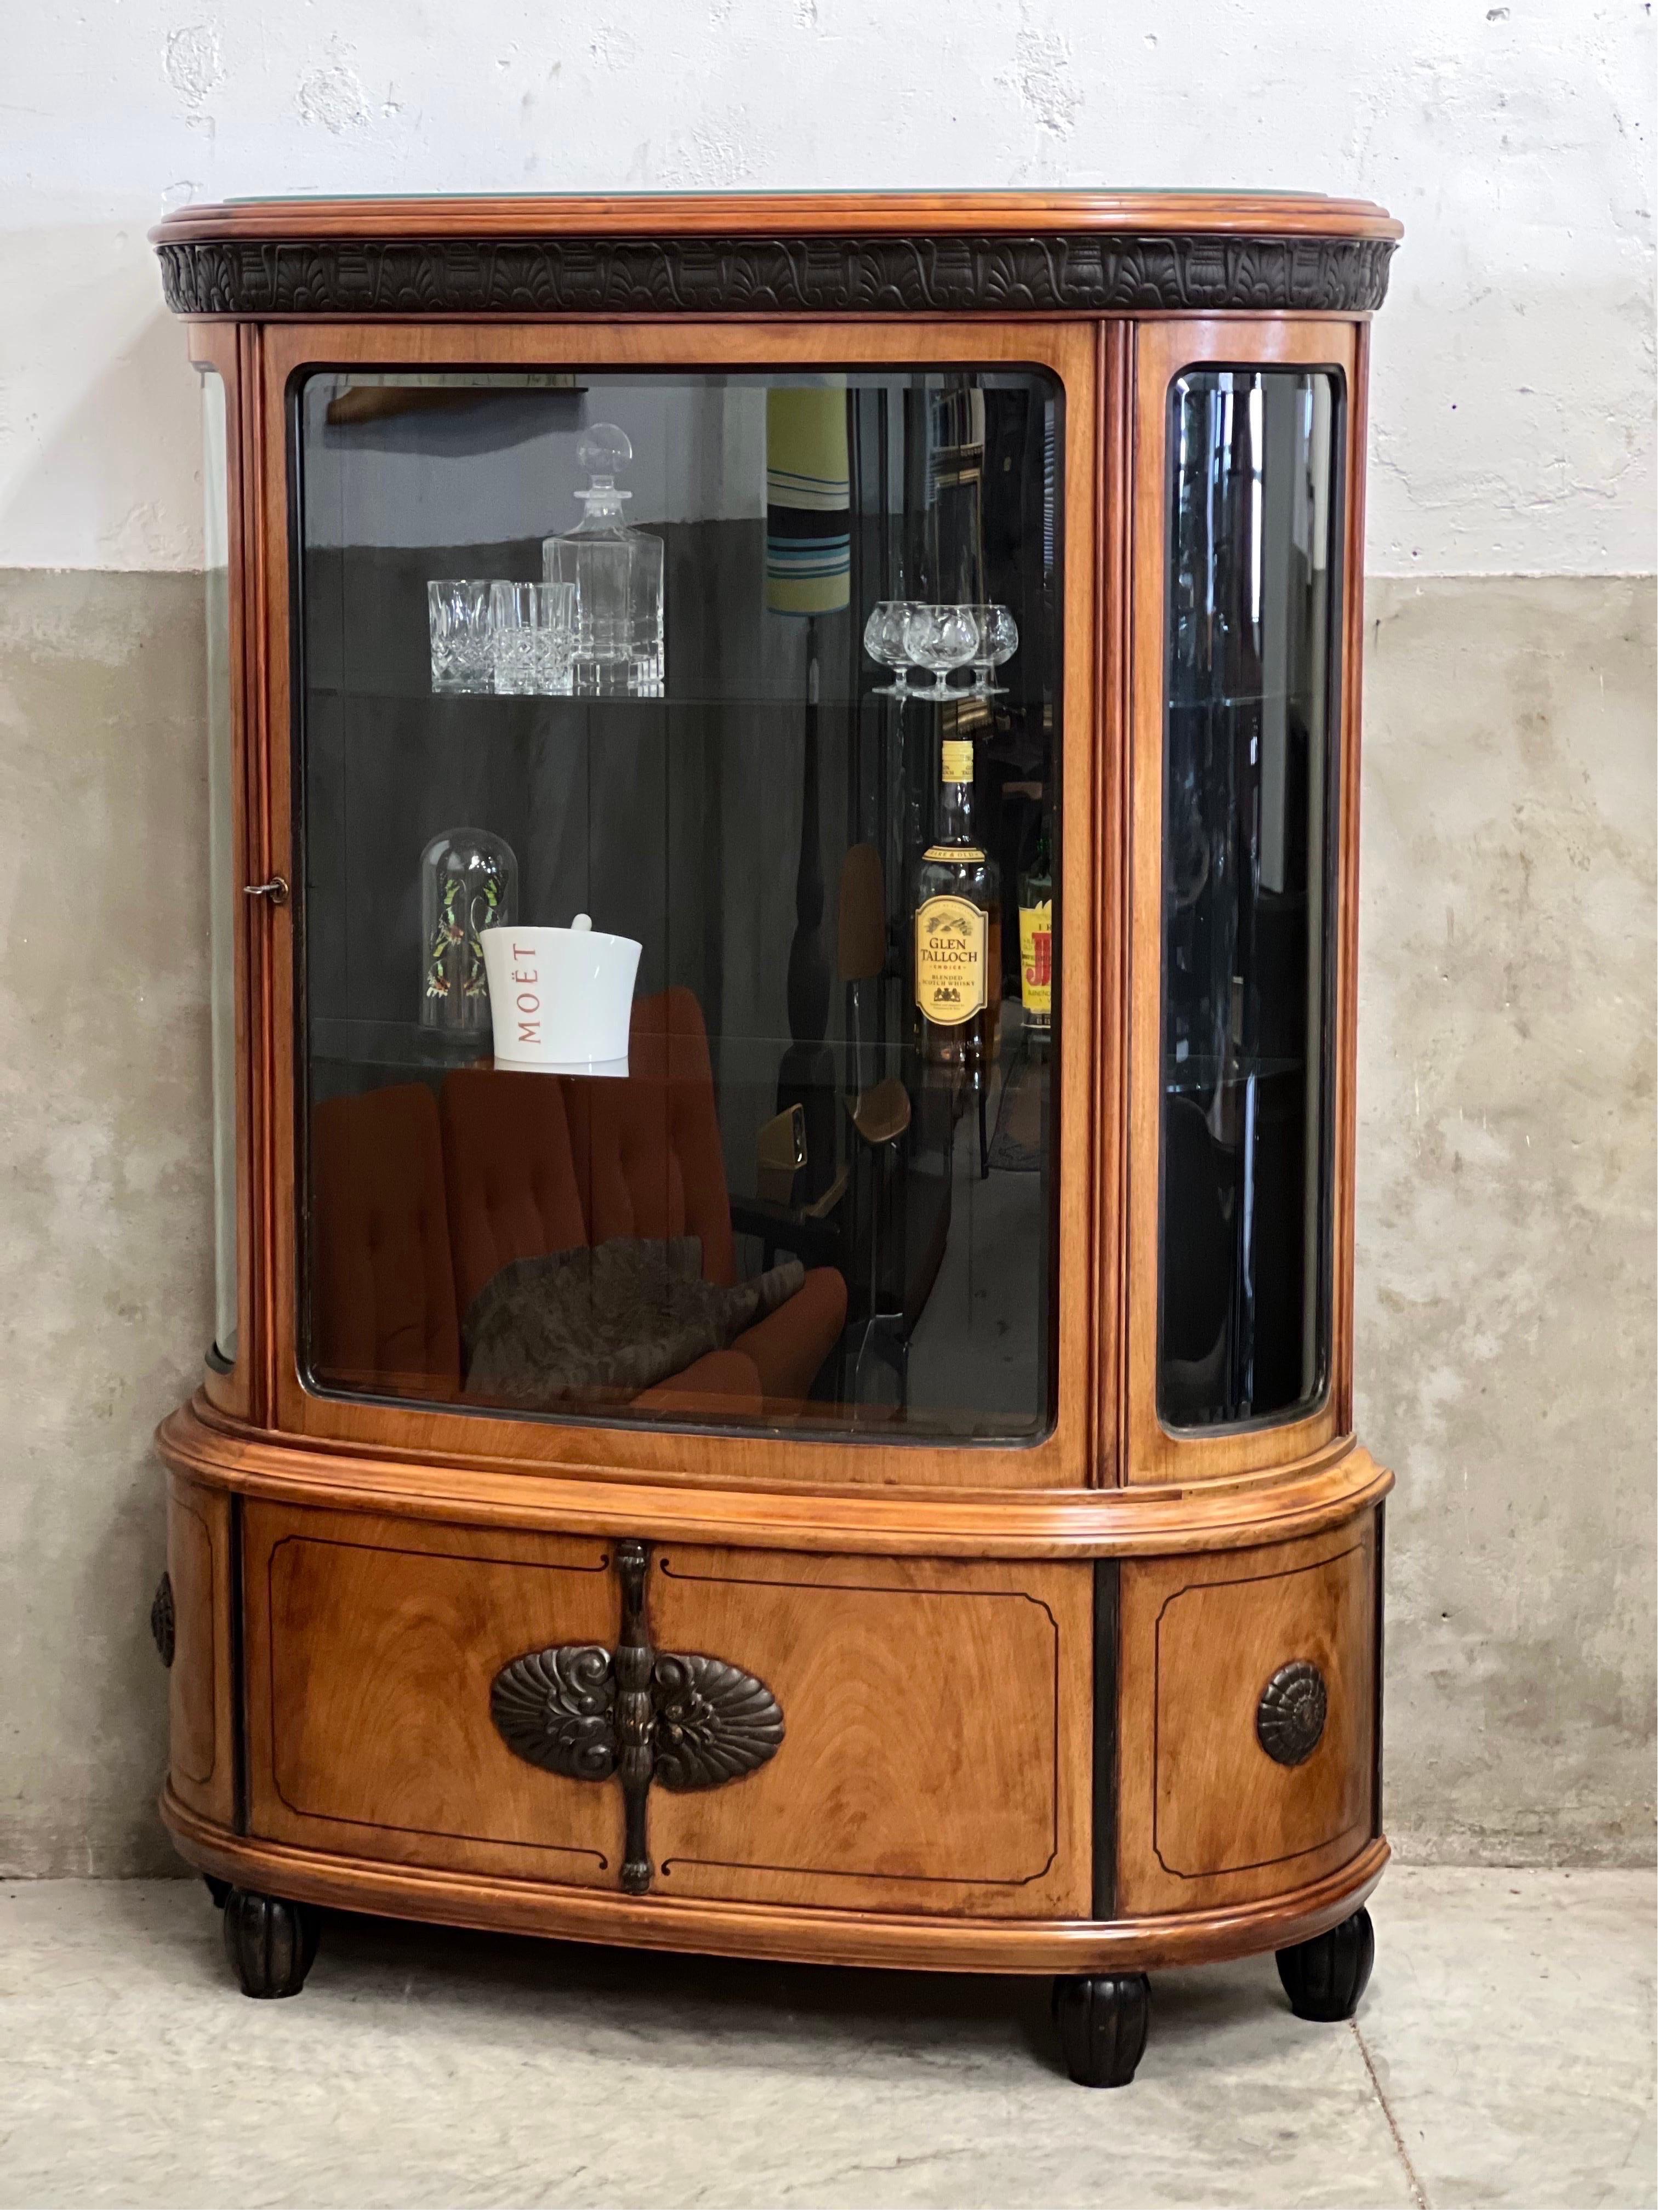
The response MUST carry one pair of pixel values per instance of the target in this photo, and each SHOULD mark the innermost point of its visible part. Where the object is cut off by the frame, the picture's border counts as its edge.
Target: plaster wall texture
(1512, 426)
(1505, 1234)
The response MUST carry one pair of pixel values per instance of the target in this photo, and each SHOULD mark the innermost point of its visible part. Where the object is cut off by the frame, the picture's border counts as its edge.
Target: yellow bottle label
(958, 759)
(1036, 959)
(951, 943)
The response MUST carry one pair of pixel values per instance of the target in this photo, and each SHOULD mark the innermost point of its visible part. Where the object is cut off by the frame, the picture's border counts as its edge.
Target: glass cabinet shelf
(1192, 1077)
(917, 713)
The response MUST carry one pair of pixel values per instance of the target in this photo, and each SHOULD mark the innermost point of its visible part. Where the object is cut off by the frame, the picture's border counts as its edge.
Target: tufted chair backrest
(647, 1148)
(511, 1182)
(383, 1289)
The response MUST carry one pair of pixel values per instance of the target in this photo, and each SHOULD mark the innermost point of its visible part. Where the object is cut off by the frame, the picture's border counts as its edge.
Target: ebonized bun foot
(1104, 2020)
(1324, 1979)
(270, 1942)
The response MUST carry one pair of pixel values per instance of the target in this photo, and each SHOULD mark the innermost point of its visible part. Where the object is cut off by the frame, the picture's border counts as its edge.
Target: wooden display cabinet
(998, 1587)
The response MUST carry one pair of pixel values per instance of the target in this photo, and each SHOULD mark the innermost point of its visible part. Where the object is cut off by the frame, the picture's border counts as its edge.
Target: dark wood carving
(679, 1718)
(1290, 1719)
(999, 275)
(635, 1715)
(557, 1709)
(714, 1722)
(163, 1621)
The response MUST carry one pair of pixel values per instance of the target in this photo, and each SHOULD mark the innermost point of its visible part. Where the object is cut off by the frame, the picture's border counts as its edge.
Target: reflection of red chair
(649, 1162)
(533, 1163)
(382, 1284)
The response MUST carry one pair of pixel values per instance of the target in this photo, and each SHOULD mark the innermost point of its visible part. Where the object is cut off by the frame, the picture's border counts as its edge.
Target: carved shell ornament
(1290, 1718)
(714, 1722)
(557, 1709)
(711, 1721)
(677, 1717)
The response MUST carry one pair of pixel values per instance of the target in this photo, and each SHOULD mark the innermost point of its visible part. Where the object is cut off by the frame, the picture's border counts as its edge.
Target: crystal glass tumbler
(533, 632)
(458, 612)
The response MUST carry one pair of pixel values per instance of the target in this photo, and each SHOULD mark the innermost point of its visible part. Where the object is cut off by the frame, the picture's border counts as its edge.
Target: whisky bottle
(958, 934)
(1036, 940)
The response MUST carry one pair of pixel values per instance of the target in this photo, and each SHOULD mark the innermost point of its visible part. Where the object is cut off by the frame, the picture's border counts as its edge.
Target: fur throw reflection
(607, 1320)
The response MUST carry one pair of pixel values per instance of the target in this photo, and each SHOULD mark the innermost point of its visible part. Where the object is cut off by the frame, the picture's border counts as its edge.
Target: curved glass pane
(221, 858)
(1249, 845)
(769, 1144)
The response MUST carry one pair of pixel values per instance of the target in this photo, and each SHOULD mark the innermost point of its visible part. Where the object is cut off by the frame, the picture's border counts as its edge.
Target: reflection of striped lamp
(809, 573)
(808, 500)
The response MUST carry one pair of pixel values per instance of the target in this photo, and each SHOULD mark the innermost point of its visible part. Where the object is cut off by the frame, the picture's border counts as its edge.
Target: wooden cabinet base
(1091, 1767)
(811, 1937)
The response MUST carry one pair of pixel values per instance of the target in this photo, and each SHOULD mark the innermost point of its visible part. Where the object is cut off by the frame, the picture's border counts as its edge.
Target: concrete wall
(1506, 1183)
(1505, 1291)
(105, 1293)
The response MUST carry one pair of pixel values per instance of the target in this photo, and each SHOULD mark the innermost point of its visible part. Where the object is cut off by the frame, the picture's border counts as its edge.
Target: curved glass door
(676, 760)
(1249, 911)
(224, 892)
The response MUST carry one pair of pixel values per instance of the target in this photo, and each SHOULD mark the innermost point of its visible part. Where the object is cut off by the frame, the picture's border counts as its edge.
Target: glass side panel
(1249, 845)
(677, 770)
(223, 892)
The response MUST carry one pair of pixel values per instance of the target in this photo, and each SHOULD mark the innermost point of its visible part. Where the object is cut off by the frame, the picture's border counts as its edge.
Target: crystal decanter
(617, 575)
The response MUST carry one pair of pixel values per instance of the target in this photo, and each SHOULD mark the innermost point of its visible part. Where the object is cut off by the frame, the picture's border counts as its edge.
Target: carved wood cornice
(869, 273)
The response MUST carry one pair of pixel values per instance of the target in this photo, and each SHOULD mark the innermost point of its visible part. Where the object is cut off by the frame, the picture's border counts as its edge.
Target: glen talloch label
(950, 959)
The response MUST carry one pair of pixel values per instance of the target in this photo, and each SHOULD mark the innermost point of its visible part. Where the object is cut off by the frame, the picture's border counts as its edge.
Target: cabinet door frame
(1071, 1455)
(1163, 350)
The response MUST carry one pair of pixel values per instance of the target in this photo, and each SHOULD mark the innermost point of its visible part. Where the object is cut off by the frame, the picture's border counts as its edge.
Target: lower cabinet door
(371, 1649)
(1247, 1720)
(937, 1748)
(878, 1733)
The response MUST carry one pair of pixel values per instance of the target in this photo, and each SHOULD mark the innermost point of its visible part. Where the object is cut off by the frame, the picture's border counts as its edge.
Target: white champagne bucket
(561, 1000)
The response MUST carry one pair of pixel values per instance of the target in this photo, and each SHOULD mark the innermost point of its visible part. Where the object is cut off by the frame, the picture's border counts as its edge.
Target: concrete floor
(1504, 2056)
